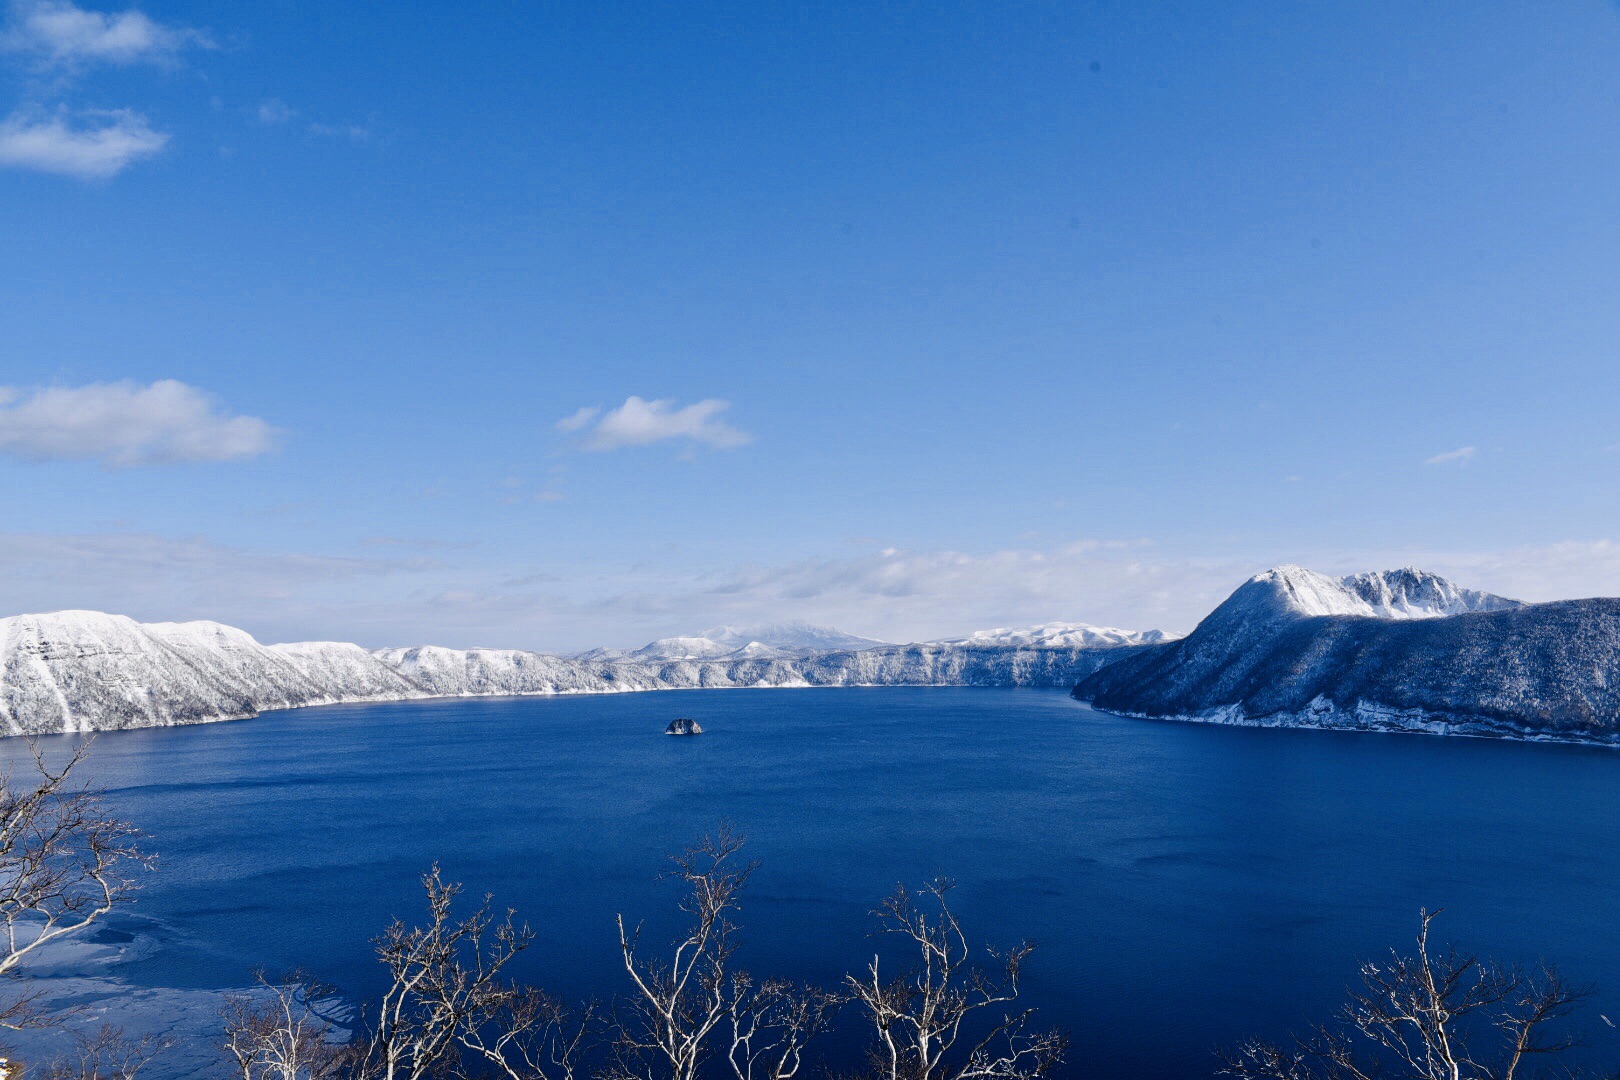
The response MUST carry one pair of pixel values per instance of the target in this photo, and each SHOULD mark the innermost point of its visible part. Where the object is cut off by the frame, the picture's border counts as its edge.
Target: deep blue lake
(1187, 885)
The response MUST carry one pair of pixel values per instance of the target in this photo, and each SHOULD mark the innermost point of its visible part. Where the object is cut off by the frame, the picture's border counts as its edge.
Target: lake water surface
(1186, 885)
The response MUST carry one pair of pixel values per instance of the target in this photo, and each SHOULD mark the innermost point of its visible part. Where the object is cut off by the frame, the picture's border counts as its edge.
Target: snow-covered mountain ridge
(761, 641)
(1408, 593)
(73, 671)
(1058, 635)
(1398, 650)
(86, 671)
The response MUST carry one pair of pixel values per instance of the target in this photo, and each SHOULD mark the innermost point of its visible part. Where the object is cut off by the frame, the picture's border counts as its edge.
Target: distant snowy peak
(757, 650)
(682, 648)
(789, 637)
(764, 641)
(1407, 593)
(1059, 635)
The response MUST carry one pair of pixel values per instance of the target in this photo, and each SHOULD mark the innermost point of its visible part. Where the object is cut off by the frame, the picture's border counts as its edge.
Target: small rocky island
(683, 725)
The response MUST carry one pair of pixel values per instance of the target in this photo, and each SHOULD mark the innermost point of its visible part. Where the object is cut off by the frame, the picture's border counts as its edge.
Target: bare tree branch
(1420, 1017)
(664, 1031)
(445, 986)
(64, 863)
(106, 1054)
(770, 1025)
(919, 1018)
(278, 1034)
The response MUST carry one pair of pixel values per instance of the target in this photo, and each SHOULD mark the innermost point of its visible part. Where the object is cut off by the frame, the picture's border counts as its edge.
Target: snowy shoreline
(1368, 718)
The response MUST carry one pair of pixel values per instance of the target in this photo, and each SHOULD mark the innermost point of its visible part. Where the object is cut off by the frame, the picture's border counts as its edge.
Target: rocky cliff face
(1396, 651)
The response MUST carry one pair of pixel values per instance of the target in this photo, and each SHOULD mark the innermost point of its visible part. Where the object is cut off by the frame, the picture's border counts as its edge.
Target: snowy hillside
(86, 671)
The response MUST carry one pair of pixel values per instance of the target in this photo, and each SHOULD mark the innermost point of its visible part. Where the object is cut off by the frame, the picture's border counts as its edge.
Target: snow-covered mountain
(1058, 635)
(1398, 650)
(1408, 593)
(761, 641)
(86, 671)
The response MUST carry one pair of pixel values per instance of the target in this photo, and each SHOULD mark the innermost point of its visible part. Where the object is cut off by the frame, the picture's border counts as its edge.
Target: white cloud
(94, 151)
(896, 594)
(1460, 456)
(273, 595)
(578, 419)
(639, 423)
(60, 33)
(905, 595)
(123, 424)
(354, 132)
(273, 111)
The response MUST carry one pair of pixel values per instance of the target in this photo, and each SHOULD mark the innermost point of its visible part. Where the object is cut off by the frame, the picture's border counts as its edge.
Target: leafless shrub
(921, 1016)
(1426, 1017)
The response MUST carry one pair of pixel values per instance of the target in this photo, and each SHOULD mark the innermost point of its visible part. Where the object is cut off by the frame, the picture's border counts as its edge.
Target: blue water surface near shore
(1186, 885)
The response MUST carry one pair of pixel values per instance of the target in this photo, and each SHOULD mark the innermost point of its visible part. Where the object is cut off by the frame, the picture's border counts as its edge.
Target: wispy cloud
(902, 594)
(274, 111)
(58, 34)
(96, 150)
(434, 595)
(352, 132)
(639, 422)
(1460, 456)
(59, 40)
(274, 595)
(124, 424)
(579, 419)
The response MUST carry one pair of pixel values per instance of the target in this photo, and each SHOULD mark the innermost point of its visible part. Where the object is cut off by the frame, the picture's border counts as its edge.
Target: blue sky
(936, 317)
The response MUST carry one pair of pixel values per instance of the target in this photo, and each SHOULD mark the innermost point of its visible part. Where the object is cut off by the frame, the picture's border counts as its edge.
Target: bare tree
(277, 1033)
(530, 1035)
(921, 1017)
(770, 1025)
(106, 1054)
(678, 1003)
(445, 988)
(64, 863)
(1425, 1017)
